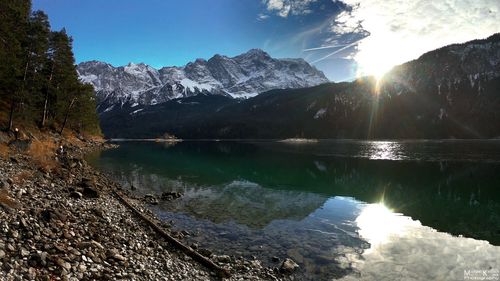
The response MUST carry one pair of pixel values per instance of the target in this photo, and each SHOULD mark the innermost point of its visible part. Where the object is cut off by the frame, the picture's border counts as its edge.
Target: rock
(64, 264)
(275, 259)
(115, 254)
(86, 182)
(50, 215)
(98, 212)
(82, 268)
(295, 255)
(24, 252)
(14, 234)
(2, 254)
(76, 195)
(170, 195)
(90, 193)
(97, 244)
(4, 184)
(47, 215)
(256, 264)
(150, 199)
(223, 258)
(205, 252)
(288, 266)
(38, 259)
(119, 257)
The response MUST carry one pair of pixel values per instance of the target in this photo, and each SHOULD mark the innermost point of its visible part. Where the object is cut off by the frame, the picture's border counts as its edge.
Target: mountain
(242, 76)
(452, 92)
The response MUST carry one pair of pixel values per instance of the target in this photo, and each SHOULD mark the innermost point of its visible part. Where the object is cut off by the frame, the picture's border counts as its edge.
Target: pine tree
(14, 16)
(63, 77)
(38, 75)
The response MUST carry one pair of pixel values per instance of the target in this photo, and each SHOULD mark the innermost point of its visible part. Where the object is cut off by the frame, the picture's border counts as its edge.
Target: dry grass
(7, 201)
(43, 154)
(71, 138)
(20, 177)
(4, 150)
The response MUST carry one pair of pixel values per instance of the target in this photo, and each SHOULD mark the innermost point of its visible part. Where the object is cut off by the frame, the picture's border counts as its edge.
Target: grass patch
(43, 154)
(20, 177)
(7, 201)
(70, 137)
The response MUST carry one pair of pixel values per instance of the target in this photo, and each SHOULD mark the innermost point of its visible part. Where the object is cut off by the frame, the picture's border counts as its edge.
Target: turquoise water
(341, 209)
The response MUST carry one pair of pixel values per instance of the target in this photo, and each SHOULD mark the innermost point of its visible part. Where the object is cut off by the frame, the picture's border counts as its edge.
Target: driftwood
(222, 272)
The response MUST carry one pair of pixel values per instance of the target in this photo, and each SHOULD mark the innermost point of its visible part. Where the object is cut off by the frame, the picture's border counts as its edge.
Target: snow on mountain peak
(242, 76)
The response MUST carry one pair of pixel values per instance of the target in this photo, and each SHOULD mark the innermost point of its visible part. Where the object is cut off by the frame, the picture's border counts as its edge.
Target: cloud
(399, 30)
(262, 17)
(284, 8)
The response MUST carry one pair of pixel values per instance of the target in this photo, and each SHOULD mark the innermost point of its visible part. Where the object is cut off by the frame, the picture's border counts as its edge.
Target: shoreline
(64, 223)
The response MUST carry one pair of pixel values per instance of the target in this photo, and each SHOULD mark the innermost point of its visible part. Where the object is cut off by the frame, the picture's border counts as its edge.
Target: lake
(341, 209)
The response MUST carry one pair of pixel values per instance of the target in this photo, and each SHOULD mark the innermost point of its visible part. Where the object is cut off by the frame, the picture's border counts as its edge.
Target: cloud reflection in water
(404, 249)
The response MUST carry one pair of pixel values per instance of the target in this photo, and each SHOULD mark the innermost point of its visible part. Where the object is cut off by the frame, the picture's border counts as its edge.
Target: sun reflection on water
(378, 224)
(384, 150)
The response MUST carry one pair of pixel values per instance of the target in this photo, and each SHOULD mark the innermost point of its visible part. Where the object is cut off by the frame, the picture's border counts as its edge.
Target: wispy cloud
(326, 47)
(400, 30)
(335, 52)
(262, 17)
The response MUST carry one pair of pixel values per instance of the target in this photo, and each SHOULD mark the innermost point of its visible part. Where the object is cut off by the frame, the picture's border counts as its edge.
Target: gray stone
(223, 258)
(62, 263)
(4, 184)
(288, 266)
(24, 252)
(82, 268)
(205, 252)
(14, 234)
(76, 195)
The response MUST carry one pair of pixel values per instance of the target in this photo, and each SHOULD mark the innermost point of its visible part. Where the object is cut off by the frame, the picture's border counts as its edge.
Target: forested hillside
(39, 85)
(451, 92)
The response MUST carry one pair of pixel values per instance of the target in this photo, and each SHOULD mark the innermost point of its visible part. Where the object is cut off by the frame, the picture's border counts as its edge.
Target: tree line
(38, 79)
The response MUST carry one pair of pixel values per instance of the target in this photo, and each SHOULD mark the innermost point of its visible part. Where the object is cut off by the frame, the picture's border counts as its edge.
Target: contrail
(337, 51)
(325, 47)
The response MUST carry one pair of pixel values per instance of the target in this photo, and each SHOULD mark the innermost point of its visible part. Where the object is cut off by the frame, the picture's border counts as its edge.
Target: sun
(376, 57)
(376, 66)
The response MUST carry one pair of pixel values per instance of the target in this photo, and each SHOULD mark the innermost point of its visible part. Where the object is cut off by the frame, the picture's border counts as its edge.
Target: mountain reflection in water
(315, 202)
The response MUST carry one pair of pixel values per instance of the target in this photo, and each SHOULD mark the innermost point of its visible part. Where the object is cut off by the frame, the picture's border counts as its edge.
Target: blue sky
(165, 33)
(359, 37)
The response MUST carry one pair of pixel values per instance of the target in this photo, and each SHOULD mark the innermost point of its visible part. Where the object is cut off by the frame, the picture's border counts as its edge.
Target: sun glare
(378, 224)
(374, 60)
(377, 54)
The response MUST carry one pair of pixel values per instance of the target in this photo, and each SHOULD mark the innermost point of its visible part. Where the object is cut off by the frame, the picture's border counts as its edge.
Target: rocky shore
(59, 220)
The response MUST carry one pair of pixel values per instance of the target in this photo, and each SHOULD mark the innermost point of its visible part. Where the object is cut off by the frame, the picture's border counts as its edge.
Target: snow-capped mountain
(242, 76)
